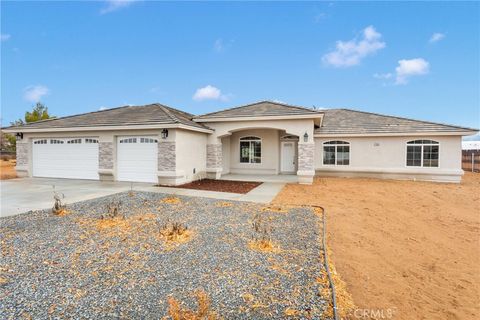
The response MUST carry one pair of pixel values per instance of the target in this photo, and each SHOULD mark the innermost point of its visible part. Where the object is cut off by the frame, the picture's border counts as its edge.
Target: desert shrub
(59, 207)
(262, 234)
(112, 210)
(174, 231)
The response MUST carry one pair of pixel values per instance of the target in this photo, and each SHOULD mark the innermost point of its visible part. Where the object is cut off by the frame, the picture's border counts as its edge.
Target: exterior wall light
(19, 135)
(164, 134)
(305, 137)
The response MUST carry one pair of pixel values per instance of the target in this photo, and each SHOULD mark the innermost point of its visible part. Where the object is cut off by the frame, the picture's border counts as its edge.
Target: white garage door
(74, 158)
(137, 159)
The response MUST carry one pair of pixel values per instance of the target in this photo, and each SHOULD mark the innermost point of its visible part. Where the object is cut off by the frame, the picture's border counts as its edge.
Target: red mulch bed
(219, 185)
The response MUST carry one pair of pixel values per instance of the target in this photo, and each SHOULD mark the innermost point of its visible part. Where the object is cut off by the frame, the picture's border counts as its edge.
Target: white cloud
(209, 93)
(218, 46)
(319, 17)
(221, 45)
(351, 53)
(383, 75)
(35, 93)
(4, 37)
(102, 108)
(437, 36)
(114, 5)
(412, 67)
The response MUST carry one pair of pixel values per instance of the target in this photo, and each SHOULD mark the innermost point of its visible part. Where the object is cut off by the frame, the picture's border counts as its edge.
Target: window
(336, 153)
(250, 150)
(148, 140)
(55, 141)
(129, 140)
(422, 153)
(88, 140)
(74, 141)
(41, 141)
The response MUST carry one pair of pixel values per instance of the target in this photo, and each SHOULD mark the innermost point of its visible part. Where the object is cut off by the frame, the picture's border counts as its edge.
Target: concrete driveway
(24, 194)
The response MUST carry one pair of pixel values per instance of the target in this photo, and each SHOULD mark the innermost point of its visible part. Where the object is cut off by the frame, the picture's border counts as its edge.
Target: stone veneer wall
(22, 154)
(306, 157)
(105, 155)
(166, 156)
(214, 156)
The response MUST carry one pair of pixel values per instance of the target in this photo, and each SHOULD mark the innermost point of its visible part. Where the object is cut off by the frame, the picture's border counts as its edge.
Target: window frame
(431, 142)
(336, 144)
(250, 141)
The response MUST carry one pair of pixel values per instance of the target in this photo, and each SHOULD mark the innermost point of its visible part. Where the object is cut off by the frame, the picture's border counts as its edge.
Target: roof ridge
(405, 118)
(253, 103)
(168, 113)
(171, 112)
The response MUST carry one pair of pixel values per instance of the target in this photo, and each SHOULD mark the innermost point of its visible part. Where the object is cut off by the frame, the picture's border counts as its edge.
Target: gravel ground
(79, 266)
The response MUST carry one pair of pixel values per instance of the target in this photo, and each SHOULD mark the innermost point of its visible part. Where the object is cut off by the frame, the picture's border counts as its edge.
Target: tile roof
(346, 121)
(259, 109)
(151, 114)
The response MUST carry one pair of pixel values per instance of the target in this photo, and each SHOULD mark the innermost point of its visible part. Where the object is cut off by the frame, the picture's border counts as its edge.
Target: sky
(411, 59)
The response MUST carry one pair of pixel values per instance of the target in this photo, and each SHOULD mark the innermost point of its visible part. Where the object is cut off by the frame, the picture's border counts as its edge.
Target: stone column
(306, 163)
(22, 159)
(167, 164)
(105, 161)
(214, 160)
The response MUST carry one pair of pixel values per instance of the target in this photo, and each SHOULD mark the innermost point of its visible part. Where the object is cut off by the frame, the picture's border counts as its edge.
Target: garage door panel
(137, 159)
(65, 160)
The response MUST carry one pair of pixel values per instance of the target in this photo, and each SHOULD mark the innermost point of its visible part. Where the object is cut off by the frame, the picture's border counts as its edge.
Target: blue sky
(417, 60)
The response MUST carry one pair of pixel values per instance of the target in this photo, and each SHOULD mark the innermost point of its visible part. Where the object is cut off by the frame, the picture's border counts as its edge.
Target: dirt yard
(7, 169)
(410, 247)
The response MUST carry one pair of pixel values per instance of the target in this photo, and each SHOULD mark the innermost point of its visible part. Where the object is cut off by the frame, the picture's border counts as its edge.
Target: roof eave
(108, 128)
(397, 134)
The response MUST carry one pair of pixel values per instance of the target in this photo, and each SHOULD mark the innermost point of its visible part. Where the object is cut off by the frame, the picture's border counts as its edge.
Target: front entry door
(288, 156)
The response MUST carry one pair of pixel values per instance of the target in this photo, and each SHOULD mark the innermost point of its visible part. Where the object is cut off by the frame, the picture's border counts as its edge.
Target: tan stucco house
(159, 144)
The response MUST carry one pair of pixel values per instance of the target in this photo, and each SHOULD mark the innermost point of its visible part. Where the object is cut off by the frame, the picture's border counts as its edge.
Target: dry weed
(289, 312)
(261, 238)
(223, 204)
(171, 200)
(345, 305)
(59, 208)
(203, 312)
(276, 209)
(266, 246)
(175, 232)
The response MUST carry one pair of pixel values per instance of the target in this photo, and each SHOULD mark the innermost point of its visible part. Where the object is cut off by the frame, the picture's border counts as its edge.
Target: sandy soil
(7, 169)
(412, 248)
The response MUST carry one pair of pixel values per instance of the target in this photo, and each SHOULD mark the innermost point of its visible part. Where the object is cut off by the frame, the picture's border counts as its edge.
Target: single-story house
(159, 144)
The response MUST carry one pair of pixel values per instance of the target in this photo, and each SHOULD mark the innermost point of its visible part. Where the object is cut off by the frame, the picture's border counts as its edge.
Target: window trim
(435, 143)
(342, 144)
(257, 139)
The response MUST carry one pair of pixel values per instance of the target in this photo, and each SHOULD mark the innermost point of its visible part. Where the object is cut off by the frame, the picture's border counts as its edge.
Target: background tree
(39, 112)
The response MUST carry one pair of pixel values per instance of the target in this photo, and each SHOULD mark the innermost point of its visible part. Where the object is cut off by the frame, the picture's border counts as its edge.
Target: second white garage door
(137, 159)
